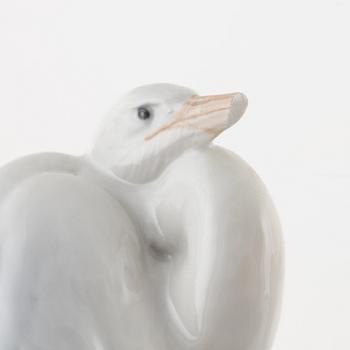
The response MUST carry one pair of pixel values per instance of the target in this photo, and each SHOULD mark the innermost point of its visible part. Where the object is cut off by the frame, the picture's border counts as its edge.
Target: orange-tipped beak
(210, 114)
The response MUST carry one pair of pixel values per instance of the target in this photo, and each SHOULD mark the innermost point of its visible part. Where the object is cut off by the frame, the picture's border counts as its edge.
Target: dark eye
(143, 113)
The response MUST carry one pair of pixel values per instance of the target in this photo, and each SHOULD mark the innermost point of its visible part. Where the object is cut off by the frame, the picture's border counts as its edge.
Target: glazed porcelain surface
(155, 239)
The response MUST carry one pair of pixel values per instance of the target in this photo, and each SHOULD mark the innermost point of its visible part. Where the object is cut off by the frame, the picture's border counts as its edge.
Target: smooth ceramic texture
(154, 240)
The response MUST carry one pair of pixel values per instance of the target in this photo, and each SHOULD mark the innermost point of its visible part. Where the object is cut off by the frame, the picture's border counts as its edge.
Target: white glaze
(166, 243)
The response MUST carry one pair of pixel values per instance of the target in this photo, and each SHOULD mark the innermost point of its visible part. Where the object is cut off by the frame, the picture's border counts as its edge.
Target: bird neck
(141, 169)
(145, 167)
(136, 199)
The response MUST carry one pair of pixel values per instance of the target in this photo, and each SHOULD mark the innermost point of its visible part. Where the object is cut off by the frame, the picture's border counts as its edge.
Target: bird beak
(210, 114)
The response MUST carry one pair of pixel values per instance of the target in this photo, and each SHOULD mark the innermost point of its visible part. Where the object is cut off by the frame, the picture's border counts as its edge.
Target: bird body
(153, 240)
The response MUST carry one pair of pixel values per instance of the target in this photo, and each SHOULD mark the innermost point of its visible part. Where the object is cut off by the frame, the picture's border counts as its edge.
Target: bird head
(154, 124)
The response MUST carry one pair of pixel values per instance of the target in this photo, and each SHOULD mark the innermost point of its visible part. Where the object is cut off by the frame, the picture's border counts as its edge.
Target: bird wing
(223, 283)
(69, 259)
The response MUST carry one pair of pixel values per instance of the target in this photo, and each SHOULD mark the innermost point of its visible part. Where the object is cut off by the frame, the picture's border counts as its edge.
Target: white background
(64, 63)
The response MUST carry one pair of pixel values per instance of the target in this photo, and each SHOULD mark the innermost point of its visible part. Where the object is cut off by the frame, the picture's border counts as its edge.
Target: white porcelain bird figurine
(153, 240)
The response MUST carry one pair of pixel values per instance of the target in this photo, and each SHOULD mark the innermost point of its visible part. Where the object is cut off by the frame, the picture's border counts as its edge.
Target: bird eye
(143, 113)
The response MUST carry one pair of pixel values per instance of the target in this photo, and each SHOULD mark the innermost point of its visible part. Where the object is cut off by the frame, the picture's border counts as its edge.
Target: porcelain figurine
(154, 240)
